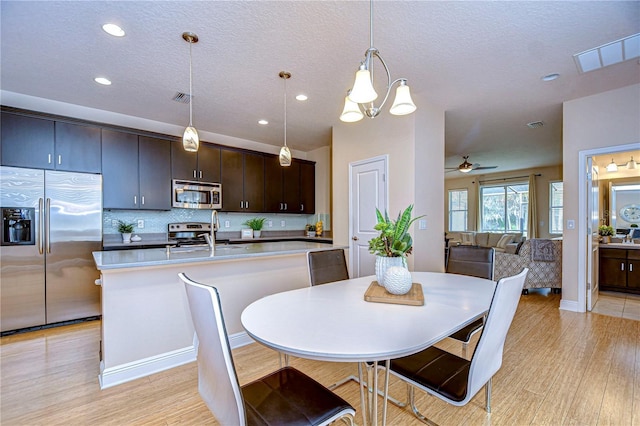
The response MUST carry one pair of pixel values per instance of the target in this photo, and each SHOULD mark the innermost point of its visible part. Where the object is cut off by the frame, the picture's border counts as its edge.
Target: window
(458, 210)
(504, 208)
(555, 207)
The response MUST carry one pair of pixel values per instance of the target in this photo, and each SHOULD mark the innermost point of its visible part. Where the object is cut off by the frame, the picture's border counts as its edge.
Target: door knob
(354, 238)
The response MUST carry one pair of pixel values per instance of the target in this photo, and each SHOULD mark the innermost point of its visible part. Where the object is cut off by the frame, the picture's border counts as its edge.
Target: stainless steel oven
(196, 195)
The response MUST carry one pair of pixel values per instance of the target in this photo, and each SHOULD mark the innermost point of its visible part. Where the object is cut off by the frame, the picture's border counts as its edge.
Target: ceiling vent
(183, 98)
(535, 124)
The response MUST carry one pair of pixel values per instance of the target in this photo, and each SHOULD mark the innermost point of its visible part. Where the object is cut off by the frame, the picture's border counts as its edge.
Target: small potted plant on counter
(256, 224)
(606, 232)
(125, 228)
(311, 230)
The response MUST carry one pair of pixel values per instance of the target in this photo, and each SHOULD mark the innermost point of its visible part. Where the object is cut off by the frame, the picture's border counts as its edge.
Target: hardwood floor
(559, 368)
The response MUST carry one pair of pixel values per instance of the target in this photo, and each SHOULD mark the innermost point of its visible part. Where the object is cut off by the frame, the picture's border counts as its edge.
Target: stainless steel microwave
(196, 195)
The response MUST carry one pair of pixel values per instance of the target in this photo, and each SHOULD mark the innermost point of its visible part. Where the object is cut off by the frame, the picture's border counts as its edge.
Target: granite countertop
(120, 259)
(628, 246)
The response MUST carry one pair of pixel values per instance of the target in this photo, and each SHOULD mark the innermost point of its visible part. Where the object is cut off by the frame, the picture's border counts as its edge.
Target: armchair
(543, 257)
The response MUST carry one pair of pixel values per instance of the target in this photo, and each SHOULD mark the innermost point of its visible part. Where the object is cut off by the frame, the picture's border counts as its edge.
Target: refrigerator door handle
(47, 231)
(40, 233)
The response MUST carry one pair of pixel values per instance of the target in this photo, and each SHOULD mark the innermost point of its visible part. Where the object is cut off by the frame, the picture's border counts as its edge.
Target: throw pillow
(467, 238)
(504, 240)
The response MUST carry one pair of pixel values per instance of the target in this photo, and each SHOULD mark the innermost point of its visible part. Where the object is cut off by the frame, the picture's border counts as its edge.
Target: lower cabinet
(619, 270)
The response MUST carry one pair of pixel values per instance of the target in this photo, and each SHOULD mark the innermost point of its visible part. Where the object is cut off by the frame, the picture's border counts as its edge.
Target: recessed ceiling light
(113, 29)
(301, 97)
(550, 77)
(263, 122)
(103, 81)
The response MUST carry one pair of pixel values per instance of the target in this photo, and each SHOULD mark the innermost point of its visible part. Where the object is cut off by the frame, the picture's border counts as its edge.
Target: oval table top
(333, 322)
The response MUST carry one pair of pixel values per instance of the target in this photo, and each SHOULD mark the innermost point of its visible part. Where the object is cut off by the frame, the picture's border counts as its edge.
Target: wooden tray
(377, 293)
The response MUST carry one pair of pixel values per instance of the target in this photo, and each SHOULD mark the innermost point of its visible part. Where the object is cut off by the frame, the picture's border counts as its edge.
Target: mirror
(625, 204)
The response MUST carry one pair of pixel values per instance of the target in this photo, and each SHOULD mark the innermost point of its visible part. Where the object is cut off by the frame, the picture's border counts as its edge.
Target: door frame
(583, 214)
(385, 159)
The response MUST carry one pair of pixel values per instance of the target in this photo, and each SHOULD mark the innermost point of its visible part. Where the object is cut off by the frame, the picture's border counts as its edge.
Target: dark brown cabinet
(242, 178)
(619, 270)
(45, 144)
(136, 172)
(202, 166)
(289, 189)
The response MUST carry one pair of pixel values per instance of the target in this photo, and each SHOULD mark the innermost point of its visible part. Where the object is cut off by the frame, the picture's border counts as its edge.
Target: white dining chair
(454, 379)
(284, 397)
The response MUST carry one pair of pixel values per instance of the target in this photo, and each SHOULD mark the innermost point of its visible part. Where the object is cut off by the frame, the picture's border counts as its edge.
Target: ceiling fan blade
(484, 167)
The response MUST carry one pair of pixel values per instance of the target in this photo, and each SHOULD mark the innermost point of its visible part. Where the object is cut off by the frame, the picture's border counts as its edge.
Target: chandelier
(190, 138)
(359, 100)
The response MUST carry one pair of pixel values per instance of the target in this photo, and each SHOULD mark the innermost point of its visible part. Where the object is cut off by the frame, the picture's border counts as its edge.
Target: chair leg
(465, 345)
(353, 378)
(487, 395)
(283, 359)
(414, 409)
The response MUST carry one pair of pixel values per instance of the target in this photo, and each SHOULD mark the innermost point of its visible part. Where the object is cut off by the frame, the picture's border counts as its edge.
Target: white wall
(415, 146)
(607, 119)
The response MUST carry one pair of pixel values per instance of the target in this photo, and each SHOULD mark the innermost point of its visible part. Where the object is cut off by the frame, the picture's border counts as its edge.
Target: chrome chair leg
(487, 395)
(355, 379)
(414, 409)
(283, 358)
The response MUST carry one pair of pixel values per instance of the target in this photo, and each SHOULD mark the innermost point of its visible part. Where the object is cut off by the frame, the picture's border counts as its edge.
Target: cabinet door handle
(49, 159)
(242, 204)
(285, 206)
(200, 174)
(246, 204)
(281, 206)
(301, 207)
(142, 200)
(622, 266)
(59, 159)
(135, 200)
(194, 174)
(631, 267)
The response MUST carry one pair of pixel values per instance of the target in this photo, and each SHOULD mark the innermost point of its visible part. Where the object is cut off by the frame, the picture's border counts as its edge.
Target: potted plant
(394, 243)
(256, 224)
(125, 228)
(311, 230)
(606, 232)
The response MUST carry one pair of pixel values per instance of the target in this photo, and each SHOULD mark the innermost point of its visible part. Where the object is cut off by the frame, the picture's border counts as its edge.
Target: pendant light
(362, 95)
(285, 153)
(190, 139)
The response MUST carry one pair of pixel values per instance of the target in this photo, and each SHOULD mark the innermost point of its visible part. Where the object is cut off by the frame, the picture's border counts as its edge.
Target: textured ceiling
(482, 62)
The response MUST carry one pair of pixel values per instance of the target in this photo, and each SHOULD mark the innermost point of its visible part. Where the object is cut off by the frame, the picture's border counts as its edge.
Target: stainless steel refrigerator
(51, 224)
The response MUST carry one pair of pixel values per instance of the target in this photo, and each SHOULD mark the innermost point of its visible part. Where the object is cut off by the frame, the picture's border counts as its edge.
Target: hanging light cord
(190, 87)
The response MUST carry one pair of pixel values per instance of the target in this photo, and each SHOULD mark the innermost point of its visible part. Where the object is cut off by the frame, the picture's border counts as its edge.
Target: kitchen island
(146, 323)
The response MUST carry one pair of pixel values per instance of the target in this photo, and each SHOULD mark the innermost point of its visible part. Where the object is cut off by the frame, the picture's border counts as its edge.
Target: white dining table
(333, 322)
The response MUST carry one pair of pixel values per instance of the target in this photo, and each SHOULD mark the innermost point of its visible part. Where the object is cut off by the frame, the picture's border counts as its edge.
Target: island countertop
(120, 259)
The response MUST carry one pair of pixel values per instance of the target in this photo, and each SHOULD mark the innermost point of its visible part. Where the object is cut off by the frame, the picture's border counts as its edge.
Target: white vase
(397, 280)
(126, 237)
(256, 234)
(383, 263)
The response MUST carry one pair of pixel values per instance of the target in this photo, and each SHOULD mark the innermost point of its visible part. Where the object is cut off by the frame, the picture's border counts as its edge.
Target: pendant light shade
(612, 167)
(190, 138)
(403, 104)
(285, 153)
(351, 111)
(363, 91)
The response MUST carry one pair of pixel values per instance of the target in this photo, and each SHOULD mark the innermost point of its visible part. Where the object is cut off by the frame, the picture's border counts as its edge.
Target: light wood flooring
(560, 368)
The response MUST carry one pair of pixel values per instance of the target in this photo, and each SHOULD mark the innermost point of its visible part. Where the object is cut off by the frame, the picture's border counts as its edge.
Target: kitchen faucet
(215, 225)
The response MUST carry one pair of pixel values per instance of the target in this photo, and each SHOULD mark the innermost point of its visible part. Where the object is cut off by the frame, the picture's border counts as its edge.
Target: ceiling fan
(466, 166)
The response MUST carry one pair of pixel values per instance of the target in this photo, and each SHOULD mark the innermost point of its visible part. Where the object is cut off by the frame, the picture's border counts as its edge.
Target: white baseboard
(113, 376)
(570, 305)
(134, 370)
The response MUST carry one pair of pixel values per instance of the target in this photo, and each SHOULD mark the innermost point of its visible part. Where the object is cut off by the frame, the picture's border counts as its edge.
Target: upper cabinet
(135, 171)
(289, 189)
(202, 166)
(45, 144)
(242, 177)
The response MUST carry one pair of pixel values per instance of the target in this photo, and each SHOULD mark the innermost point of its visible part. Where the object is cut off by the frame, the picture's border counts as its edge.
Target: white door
(367, 191)
(593, 222)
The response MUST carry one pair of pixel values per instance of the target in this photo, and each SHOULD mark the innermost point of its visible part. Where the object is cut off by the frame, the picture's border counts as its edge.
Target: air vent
(183, 98)
(535, 124)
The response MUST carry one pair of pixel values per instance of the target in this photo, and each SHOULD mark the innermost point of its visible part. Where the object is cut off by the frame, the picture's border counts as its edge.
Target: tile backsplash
(156, 221)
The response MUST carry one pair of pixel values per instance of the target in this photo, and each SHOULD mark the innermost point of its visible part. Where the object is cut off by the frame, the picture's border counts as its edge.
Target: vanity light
(612, 167)
(631, 164)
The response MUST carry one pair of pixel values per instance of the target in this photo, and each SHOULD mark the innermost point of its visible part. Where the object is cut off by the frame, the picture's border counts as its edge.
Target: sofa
(501, 242)
(543, 257)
